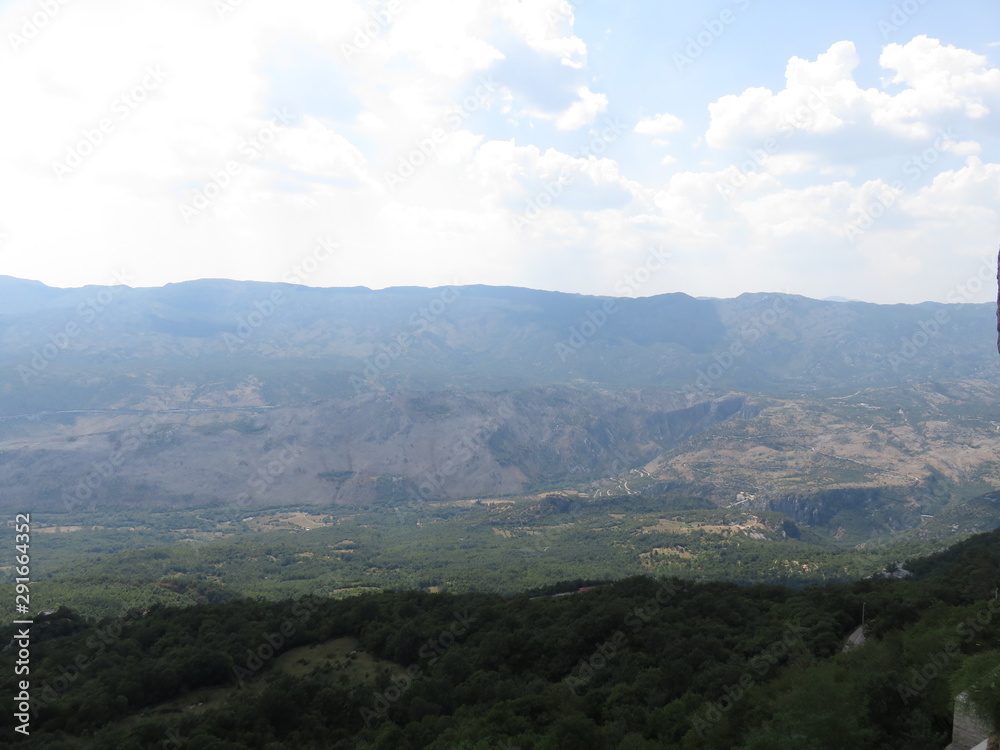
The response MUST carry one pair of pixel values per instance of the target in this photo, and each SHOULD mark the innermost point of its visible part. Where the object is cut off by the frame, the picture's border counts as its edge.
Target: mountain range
(220, 392)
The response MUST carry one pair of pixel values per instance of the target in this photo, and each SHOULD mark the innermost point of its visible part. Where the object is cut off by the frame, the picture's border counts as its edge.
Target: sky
(608, 147)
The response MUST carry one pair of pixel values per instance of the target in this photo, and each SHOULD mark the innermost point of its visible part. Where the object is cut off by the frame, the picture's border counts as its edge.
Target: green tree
(979, 679)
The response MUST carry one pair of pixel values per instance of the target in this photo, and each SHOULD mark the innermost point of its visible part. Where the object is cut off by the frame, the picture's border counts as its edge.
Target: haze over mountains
(470, 337)
(243, 394)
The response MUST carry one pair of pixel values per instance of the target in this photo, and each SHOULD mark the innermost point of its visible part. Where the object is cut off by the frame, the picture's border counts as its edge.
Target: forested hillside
(641, 663)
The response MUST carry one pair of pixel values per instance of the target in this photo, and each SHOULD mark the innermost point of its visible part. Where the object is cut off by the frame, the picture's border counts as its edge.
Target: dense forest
(642, 662)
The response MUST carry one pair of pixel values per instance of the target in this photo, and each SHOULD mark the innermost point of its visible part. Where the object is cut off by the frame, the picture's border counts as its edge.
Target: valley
(367, 490)
(482, 438)
(137, 559)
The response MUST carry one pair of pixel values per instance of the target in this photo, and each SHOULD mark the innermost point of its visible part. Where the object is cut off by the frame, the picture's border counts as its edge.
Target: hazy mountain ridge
(188, 392)
(305, 343)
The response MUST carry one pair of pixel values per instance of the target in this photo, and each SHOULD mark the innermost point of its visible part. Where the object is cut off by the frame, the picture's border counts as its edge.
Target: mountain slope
(279, 344)
(389, 448)
(244, 393)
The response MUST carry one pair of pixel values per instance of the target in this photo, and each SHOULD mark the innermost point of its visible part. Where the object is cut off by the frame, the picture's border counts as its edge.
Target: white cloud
(583, 111)
(315, 150)
(940, 78)
(957, 197)
(822, 97)
(789, 213)
(659, 124)
(371, 121)
(541, 23)
(806, 103)
(447, 38)
(355, 120)
(962, 148)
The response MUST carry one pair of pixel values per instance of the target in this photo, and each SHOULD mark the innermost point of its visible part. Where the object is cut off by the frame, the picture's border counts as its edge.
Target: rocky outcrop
(968, 730)
(819, 508)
